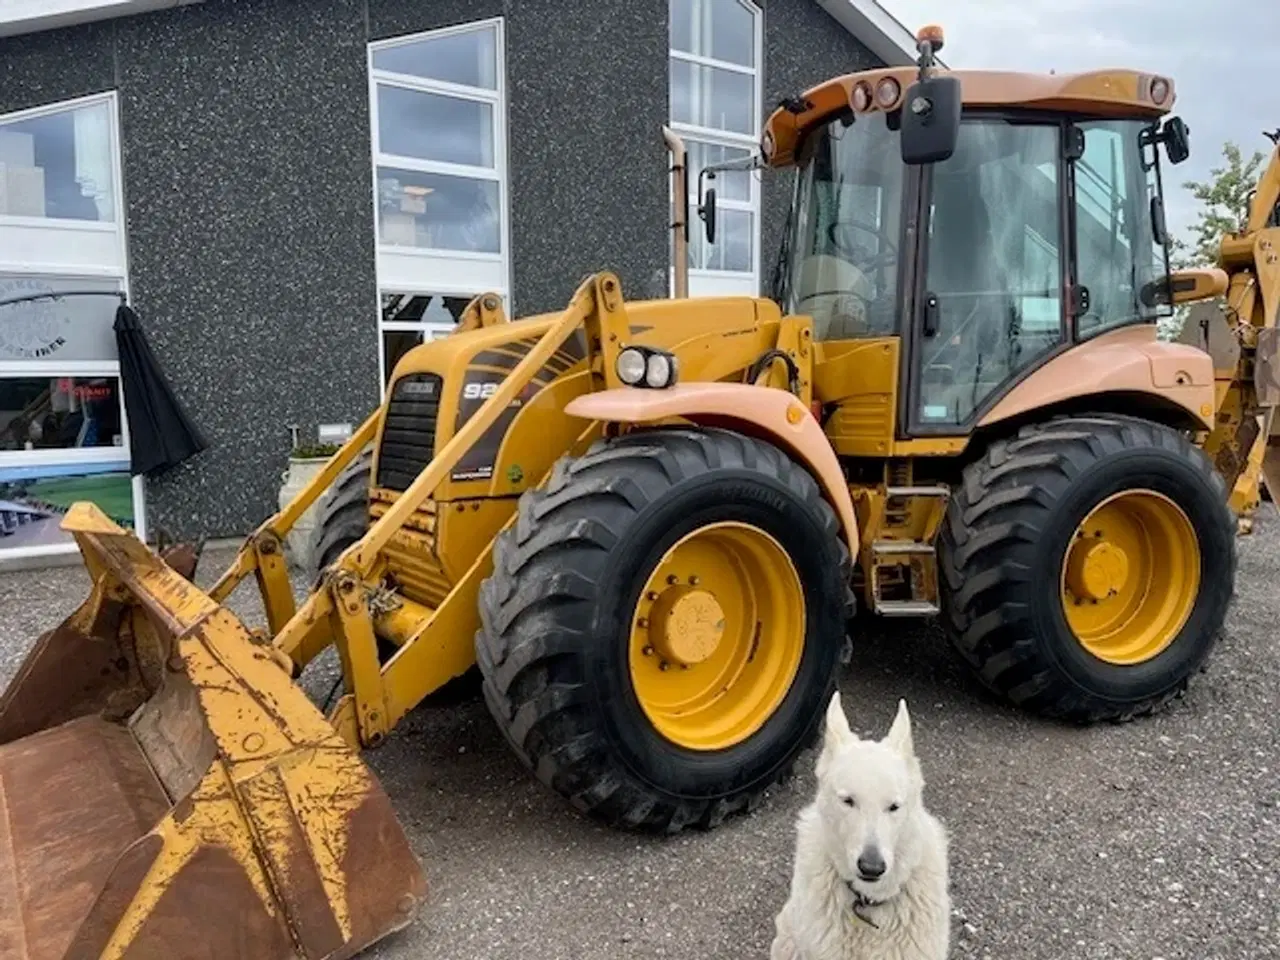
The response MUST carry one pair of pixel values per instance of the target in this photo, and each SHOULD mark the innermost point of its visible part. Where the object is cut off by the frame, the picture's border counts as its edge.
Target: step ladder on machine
(902, 562)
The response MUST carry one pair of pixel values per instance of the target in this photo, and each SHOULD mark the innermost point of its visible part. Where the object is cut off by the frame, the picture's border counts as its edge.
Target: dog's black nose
(871, 865)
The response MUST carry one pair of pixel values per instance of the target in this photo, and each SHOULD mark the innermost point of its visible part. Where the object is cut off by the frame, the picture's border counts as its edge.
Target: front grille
(409, 434)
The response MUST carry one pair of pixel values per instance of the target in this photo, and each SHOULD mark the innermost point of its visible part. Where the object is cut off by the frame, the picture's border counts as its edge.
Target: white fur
(818, 921)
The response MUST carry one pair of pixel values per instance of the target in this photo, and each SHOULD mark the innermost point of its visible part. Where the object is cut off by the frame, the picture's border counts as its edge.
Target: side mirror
(707, 208)
(930, 120)
(1177, 140)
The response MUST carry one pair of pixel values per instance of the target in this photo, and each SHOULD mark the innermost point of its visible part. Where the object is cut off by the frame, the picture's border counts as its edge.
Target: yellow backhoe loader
(648, 526)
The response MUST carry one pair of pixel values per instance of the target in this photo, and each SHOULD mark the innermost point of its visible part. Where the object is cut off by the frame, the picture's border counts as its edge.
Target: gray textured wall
(245, 134)
(244, 129)
(802, 47)
(589, 168)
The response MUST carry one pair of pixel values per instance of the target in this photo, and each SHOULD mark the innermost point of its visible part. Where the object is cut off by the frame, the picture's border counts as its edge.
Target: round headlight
(659, 372)
(1159, 91)
(631, 366)
(887, 92)
(861, 97)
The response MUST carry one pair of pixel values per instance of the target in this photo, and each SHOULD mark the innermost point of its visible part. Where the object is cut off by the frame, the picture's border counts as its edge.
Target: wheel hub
(1130, 577)
(717, 635)
(1097, 569)
(687, 625)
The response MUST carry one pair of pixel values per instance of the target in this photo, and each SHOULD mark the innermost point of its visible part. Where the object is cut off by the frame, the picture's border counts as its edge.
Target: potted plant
(305, 461)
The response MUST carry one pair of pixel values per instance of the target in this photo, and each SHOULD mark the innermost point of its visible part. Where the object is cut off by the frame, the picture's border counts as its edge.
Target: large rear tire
(1088, 565)
(608, 703)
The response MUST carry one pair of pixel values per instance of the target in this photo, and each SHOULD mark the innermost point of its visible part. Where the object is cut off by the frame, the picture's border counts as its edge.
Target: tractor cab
(984, 222)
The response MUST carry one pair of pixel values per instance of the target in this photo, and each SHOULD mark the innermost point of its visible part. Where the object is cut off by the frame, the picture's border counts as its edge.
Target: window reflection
(1117, 252)
(430, 126)
(434, 210)
(468, 58)
(994, 265)
(58, 166)
(719, 29)
(713, 98)
(59, 413)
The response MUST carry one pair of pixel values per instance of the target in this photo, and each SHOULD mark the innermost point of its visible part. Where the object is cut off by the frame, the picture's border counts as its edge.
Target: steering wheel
(837, 234)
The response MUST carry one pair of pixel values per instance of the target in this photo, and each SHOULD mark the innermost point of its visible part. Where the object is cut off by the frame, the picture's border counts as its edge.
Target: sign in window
(34, 499)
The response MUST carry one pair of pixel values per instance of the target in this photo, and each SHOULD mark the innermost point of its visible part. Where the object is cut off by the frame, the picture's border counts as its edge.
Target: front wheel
(1088, 564)
(664, 625)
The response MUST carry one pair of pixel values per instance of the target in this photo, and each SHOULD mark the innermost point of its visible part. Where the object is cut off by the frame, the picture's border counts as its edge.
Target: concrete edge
(71, 558)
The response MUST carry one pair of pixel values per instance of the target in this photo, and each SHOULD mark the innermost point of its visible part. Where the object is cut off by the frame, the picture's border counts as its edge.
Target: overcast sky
(1221, 55)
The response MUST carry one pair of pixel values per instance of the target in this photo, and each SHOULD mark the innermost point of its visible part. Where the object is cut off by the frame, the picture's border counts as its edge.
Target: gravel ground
(1157, 839)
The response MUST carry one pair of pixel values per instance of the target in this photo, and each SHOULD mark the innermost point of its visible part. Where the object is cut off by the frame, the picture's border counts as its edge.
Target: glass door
(991, 301)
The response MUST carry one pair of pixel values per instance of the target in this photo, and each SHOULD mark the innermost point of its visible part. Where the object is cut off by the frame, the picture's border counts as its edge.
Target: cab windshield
(842, 264)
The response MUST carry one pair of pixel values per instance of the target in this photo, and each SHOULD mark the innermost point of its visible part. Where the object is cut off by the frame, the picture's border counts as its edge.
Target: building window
(59, 165)
(64, 435)
(438, 110)
(63, 431)
(716, 53)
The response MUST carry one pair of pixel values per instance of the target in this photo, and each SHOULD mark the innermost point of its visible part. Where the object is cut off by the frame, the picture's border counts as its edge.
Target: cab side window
(995, 266)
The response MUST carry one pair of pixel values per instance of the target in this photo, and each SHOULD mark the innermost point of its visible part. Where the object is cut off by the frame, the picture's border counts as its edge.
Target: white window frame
(703, 282)
(68, 250)
(424, 271)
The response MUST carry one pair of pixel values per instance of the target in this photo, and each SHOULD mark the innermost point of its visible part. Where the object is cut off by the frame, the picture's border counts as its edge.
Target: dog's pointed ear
(838, 730)
(899, 736)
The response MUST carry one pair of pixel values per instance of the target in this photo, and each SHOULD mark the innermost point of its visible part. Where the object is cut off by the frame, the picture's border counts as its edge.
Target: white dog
(870, 880)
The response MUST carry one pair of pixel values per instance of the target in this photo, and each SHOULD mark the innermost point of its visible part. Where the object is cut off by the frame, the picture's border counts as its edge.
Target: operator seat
(835, 293)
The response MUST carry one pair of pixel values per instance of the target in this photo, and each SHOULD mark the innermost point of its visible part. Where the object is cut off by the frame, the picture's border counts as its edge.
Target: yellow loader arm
(167, 792)
(1240, 333)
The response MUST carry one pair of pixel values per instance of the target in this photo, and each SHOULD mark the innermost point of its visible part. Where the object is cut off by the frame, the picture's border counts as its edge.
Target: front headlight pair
(647, 367)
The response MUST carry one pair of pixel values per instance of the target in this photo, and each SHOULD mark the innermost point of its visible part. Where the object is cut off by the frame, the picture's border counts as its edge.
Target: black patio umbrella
(161, 435)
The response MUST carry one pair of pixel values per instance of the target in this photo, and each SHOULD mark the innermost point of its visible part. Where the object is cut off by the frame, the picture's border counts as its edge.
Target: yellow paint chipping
(214, 819)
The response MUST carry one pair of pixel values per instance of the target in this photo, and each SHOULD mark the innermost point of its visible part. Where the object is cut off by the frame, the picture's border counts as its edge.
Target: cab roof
(1106, 93)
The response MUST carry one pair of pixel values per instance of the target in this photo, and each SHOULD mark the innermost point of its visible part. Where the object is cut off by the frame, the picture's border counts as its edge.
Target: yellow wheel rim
(1130, 577)
(717, 636)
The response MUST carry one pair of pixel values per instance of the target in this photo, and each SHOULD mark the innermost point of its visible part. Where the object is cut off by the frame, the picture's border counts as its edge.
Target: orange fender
(765, 413)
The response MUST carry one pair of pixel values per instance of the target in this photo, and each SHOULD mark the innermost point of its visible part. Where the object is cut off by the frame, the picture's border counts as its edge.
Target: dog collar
(862, 903)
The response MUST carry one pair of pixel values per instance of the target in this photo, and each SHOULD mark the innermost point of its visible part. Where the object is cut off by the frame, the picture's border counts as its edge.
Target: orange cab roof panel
(1108, 93)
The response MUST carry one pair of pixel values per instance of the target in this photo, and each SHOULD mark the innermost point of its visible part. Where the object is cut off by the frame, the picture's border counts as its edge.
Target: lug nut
(652, 595)
(647, 651)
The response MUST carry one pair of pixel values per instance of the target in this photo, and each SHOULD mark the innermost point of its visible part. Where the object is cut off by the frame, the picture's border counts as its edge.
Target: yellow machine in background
(648, 525)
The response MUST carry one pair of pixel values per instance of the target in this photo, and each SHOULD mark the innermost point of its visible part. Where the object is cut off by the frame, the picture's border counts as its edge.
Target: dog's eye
(895, 807)
(848, 801)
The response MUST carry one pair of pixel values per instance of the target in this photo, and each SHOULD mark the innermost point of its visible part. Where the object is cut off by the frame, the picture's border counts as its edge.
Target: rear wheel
(1088, 565)
(664, 626)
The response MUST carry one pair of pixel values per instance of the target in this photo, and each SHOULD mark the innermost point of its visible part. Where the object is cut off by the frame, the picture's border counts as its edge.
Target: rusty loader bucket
(167, 792)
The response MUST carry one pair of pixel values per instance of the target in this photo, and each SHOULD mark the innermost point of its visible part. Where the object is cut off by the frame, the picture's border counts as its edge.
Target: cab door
(989, 300)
